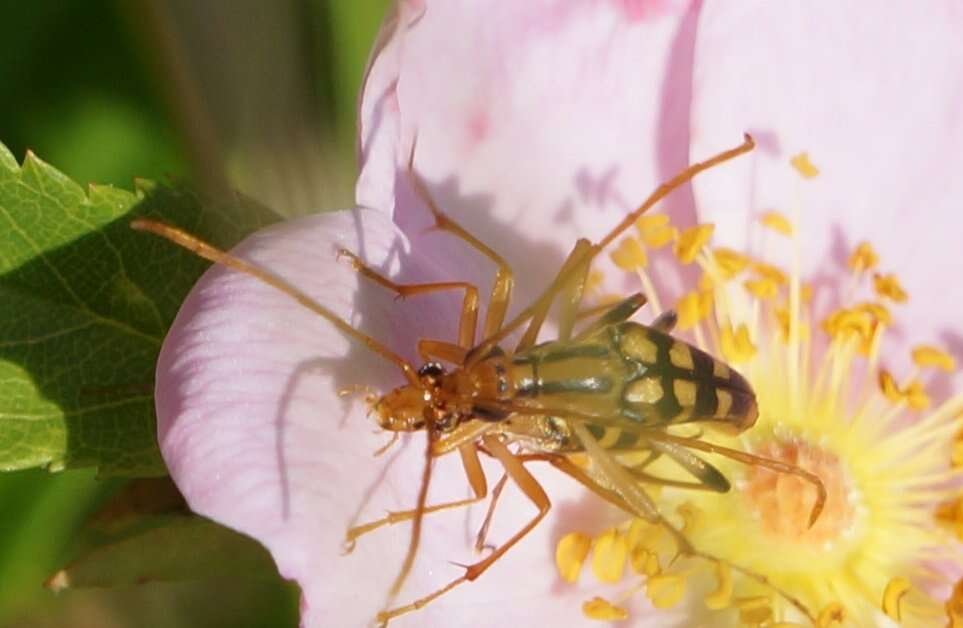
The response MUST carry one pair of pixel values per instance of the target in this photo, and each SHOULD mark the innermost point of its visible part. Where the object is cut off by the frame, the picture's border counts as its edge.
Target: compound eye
(431, 369)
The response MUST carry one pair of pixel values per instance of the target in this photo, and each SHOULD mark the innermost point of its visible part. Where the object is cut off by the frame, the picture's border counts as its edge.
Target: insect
(611, 386)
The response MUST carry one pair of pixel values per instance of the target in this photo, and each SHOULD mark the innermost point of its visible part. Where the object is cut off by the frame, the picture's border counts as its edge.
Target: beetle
(613, 386)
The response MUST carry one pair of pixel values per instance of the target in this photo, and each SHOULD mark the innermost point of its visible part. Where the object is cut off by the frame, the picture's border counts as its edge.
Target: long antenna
(214, 254)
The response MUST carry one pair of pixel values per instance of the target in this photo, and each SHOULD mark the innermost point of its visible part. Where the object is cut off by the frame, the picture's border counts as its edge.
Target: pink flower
(537, 123)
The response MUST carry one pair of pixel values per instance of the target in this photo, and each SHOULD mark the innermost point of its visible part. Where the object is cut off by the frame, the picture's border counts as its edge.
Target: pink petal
(537, 122)
(256, 437)
(875, 97)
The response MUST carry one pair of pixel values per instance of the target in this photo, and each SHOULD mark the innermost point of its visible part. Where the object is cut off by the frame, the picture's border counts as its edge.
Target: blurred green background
(244, 94)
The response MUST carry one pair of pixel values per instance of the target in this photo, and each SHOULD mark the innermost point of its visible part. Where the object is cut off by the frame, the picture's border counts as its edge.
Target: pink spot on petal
(477, 126)
(642, 10)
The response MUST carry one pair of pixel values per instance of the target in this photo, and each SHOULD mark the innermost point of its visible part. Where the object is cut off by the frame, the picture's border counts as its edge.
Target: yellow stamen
(877, 310)
(645, 562)
(754, 611)
(803, 166)
(769, 271)
(690, 517)
(736, 345)
(656, 231)
(954, 606)
(609, 556)
(916, 396)
(833, 614)
(888, 386)
(888, 286)
(763, 289)
(692, 308)
(950, 515)
(691, 241)
(570, 553)
(730, 262)
(777, 222)
(896, 588)
(863, 258)
(600, 609)
(928, 356)
(722, 596)
(629, 255)
(913, 393)
(666, 590)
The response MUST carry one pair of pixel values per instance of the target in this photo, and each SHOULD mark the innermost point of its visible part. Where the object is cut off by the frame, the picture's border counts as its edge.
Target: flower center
(783, 502)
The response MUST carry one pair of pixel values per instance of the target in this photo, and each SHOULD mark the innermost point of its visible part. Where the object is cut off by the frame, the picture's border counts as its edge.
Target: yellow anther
(950, 514)
(913, 394)
(803, 166)
(638, 533)
(896, 588)
(782, 319)
(754, 611)
(889, 387)
(730, 262)
(763, 289)
(630, 255)
(665, 590)
(691, 241)
(842, 323)
(806, 292)
(777, 222)
(645, 562)
(954, 606)
(706, 282)
(594, 280)
(769, 271)
(691, 517)
(956, 454)
(877, 310)
(602, 610)
(926, 356)
(833, 614)
(736, 344)
(888, 286)
(609, 556)
(863, 257)
(916, 396)
(656, 231)
(722, 596)
(570, 553)
(689, 311)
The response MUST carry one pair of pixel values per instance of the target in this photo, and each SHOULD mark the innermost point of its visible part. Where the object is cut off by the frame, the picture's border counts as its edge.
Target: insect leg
(619, 480)
(709, 477)
(476, 478)
(486, 523)
(214, 254)
(621, 311)
(574, 267)
(589, 253)
(446, 351)
(665, 322)
(520, 475)
(504, 277)
(752, 460)
(469, 307)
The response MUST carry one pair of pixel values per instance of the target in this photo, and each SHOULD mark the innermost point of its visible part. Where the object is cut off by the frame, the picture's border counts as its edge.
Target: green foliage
(85, 303)
(183, 547)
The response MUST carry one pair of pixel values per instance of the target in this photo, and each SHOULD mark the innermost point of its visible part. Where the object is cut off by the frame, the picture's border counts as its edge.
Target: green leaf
(180, 548)
(85, 303)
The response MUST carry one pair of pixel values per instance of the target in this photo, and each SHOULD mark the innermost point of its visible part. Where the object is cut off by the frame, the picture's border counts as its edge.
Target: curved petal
(257, 438)
(874, 97)
(537, 122)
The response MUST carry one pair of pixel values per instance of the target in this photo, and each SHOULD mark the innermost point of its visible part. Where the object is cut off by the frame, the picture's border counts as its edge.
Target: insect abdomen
(674, 382)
